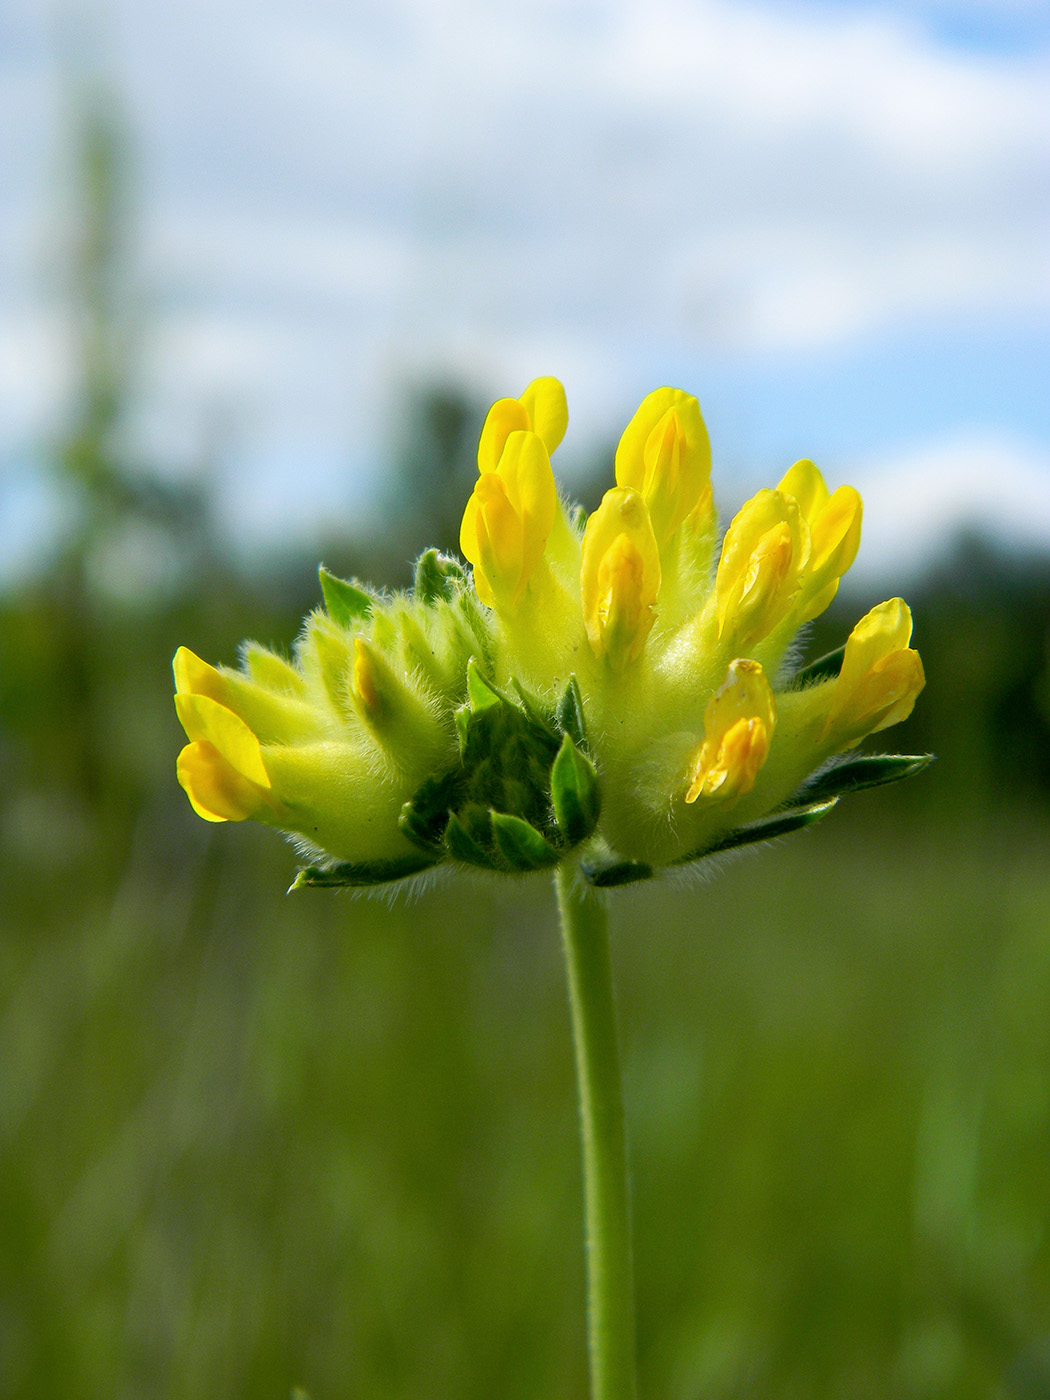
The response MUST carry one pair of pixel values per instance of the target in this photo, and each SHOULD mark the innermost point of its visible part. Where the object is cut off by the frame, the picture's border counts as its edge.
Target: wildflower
(541, 410)
(587, 690)
(765, 551)
(509, 518)
(738, 730)
(619, 576)
(665, 454)
(880, 678)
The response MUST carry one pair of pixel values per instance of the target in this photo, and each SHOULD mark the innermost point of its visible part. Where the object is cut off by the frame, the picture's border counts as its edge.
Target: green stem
(610, 1291)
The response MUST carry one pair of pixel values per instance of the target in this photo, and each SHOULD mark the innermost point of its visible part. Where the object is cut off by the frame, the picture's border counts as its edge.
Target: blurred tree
(75, 640)
(434, 471)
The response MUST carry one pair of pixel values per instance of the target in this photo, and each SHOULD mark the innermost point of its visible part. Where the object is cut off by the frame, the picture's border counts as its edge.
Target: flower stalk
(610, 1269)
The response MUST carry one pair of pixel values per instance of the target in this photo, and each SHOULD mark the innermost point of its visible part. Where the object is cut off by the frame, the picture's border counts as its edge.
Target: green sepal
(768, 829)
(825, 668)
(507, 760)
(521, 845)
(864, 771)
(606, 875)
(537, 712)
(570, 713)
(424, 816)
(438, 577)
(480, 694)
(360, 874)
(507, 749)
(346, 603)
(575, 793)
(462, 845)
(469, 609)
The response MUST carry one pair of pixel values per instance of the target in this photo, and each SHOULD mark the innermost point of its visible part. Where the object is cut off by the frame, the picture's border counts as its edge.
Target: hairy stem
(610, 1284)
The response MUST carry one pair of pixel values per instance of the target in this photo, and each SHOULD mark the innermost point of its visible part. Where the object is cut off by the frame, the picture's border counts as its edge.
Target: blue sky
(831, 221)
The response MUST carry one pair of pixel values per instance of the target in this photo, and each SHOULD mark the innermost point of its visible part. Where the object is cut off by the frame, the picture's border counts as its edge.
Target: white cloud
(917, 503)
(834, 172)
(332, 193)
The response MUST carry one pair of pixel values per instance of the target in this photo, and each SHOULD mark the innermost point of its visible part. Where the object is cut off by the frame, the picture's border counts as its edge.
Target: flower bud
(764, 552)
(541, 409)
(619, 576)
(880, 679)
(738, 730)
(834, 526)
(508, 520)
(665, 455)
(221, 769)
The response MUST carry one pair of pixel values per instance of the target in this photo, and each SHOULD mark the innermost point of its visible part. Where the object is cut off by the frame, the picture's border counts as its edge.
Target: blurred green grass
(252, 1141)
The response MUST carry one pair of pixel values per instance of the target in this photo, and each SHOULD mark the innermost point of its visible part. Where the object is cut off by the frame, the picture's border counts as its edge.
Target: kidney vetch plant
(596, 697)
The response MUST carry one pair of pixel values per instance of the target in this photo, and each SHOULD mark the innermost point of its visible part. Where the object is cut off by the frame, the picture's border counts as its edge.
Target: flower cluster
(605, 689)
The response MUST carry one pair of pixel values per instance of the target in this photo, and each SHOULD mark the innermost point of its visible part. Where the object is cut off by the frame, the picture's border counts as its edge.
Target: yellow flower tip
(542, 409)
(765, 550)
(619, 576)
(206, 721)
(805, 482)
(195, 677)
(508, 520)
(880, 679)
(665, 454)
(221, 769)
(835, 532)
(367, 681)
(738, 730)
(834, 521)
(216, 790)
(506, 416)
(544, 402)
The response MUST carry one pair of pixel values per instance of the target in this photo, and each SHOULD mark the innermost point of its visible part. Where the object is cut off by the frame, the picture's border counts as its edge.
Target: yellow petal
(880, 679)
(205, 720)
(217, 792)
(619, 576)
(500, 545)
(471, 545)
(738, 730)
(834, 522)
(525, 470)
(548, 413)
(665, 454)
(836, 531)
(195, 677)
(506, 416)
(468, 529)
(764, 553)
(805, 482)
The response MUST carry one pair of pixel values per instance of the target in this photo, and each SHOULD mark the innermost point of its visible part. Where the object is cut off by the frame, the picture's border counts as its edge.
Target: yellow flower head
(881, 676)
(665, 454)
(509, 518)
(619, 576)
(738, 730)
(547, 706)
(764, 553)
